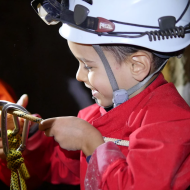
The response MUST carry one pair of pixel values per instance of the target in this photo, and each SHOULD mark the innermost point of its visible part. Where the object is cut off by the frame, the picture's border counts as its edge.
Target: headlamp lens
(35, 4)
(48, 10)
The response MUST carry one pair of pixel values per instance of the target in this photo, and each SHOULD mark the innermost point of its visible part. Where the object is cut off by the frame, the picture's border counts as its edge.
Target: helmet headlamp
(52, 11)
(79, 18)
(168, 27)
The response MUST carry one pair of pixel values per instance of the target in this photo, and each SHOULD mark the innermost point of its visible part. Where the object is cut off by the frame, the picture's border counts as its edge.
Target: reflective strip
(117, 141)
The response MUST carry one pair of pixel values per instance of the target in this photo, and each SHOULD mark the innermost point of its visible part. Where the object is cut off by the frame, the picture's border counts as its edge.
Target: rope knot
(13, 140)
(15, 162)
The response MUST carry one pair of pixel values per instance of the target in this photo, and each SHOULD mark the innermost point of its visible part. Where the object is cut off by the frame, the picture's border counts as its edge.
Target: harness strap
(107, 67)
(121, 95)
(141, 84)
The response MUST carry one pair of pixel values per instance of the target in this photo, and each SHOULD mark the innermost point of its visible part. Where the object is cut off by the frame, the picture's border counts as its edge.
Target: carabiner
(15, 118)
(12, 106)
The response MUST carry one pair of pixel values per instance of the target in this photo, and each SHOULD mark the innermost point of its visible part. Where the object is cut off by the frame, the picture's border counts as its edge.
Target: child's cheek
(93, 78)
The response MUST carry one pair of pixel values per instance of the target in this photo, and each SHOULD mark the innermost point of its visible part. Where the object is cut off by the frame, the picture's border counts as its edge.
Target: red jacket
(157, 124)
(6, 92)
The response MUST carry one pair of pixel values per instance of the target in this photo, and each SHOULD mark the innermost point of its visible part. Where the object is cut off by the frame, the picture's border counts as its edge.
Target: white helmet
(159, 25)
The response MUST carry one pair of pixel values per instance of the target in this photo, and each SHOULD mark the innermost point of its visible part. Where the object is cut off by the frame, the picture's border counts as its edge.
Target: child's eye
(86, 67)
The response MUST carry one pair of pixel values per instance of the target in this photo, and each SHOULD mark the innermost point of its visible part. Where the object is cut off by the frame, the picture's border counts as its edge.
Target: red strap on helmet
(105, 25)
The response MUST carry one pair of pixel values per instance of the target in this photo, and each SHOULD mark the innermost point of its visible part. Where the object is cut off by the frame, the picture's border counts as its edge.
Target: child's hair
(121, 52)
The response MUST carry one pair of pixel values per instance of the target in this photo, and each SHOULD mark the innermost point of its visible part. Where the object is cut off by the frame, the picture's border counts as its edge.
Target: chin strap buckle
(119, 97)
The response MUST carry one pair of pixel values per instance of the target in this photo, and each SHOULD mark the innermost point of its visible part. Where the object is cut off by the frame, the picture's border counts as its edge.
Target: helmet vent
(80, 14)
(89, 1)
(167, 22)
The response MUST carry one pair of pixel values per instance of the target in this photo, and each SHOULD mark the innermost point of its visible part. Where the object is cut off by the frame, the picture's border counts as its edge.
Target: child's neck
(143, 87)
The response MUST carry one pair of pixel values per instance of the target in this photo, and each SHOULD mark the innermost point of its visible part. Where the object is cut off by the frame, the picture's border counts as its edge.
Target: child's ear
(140, 65)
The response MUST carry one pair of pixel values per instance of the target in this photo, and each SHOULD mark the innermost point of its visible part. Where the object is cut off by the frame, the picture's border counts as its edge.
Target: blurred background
(177, 71)
(35, 59)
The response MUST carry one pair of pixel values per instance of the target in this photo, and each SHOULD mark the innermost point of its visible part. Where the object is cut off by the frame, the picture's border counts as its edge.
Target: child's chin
(103, 104)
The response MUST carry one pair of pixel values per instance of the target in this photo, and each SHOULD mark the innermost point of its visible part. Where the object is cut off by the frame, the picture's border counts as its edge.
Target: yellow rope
(23, 115)
(15, 162)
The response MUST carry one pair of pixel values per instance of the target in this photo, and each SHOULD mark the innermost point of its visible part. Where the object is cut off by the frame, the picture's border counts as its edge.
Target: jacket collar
(117, 117)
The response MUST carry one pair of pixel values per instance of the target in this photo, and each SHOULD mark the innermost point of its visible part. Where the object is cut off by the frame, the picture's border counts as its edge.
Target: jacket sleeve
(46, 160)
(158, 158)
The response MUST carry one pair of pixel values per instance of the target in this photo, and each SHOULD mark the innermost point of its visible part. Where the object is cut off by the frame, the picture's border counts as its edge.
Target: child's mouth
(94, 92)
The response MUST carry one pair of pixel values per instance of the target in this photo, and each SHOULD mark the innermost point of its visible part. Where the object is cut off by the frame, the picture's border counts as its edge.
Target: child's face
(91, 71)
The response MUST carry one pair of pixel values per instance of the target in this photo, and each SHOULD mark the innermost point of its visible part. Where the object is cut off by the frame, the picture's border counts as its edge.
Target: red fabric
(157, 124)
(6, 92)
(49, 162)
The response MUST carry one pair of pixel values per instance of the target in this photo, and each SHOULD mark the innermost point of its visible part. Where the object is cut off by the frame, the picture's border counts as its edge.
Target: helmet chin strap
(120, 95)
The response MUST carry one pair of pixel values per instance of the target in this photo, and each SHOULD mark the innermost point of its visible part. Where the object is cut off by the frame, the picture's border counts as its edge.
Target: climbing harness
(14, 143)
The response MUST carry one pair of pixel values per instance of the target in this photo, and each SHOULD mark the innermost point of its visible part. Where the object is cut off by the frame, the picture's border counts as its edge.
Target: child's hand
(73, 133)
(23, 101)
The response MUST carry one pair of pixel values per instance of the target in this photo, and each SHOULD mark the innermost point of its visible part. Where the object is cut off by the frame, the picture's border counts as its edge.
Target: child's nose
(82, 74)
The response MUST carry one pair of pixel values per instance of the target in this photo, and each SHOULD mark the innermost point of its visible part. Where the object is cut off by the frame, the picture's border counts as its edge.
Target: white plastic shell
(143, 12)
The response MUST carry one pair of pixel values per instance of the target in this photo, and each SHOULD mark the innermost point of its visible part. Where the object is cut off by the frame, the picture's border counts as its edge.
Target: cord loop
(166, 34)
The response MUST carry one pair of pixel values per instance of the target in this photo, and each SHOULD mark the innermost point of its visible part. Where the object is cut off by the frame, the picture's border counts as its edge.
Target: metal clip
(6, 107)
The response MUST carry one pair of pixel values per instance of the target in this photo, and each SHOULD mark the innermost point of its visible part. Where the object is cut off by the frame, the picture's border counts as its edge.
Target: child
(120, 61)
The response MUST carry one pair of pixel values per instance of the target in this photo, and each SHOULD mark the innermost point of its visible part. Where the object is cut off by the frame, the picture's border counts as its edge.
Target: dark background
(35, 60)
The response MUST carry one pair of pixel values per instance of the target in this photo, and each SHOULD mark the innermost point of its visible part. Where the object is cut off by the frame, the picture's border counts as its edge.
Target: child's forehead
(87, 54)
(83, 52)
